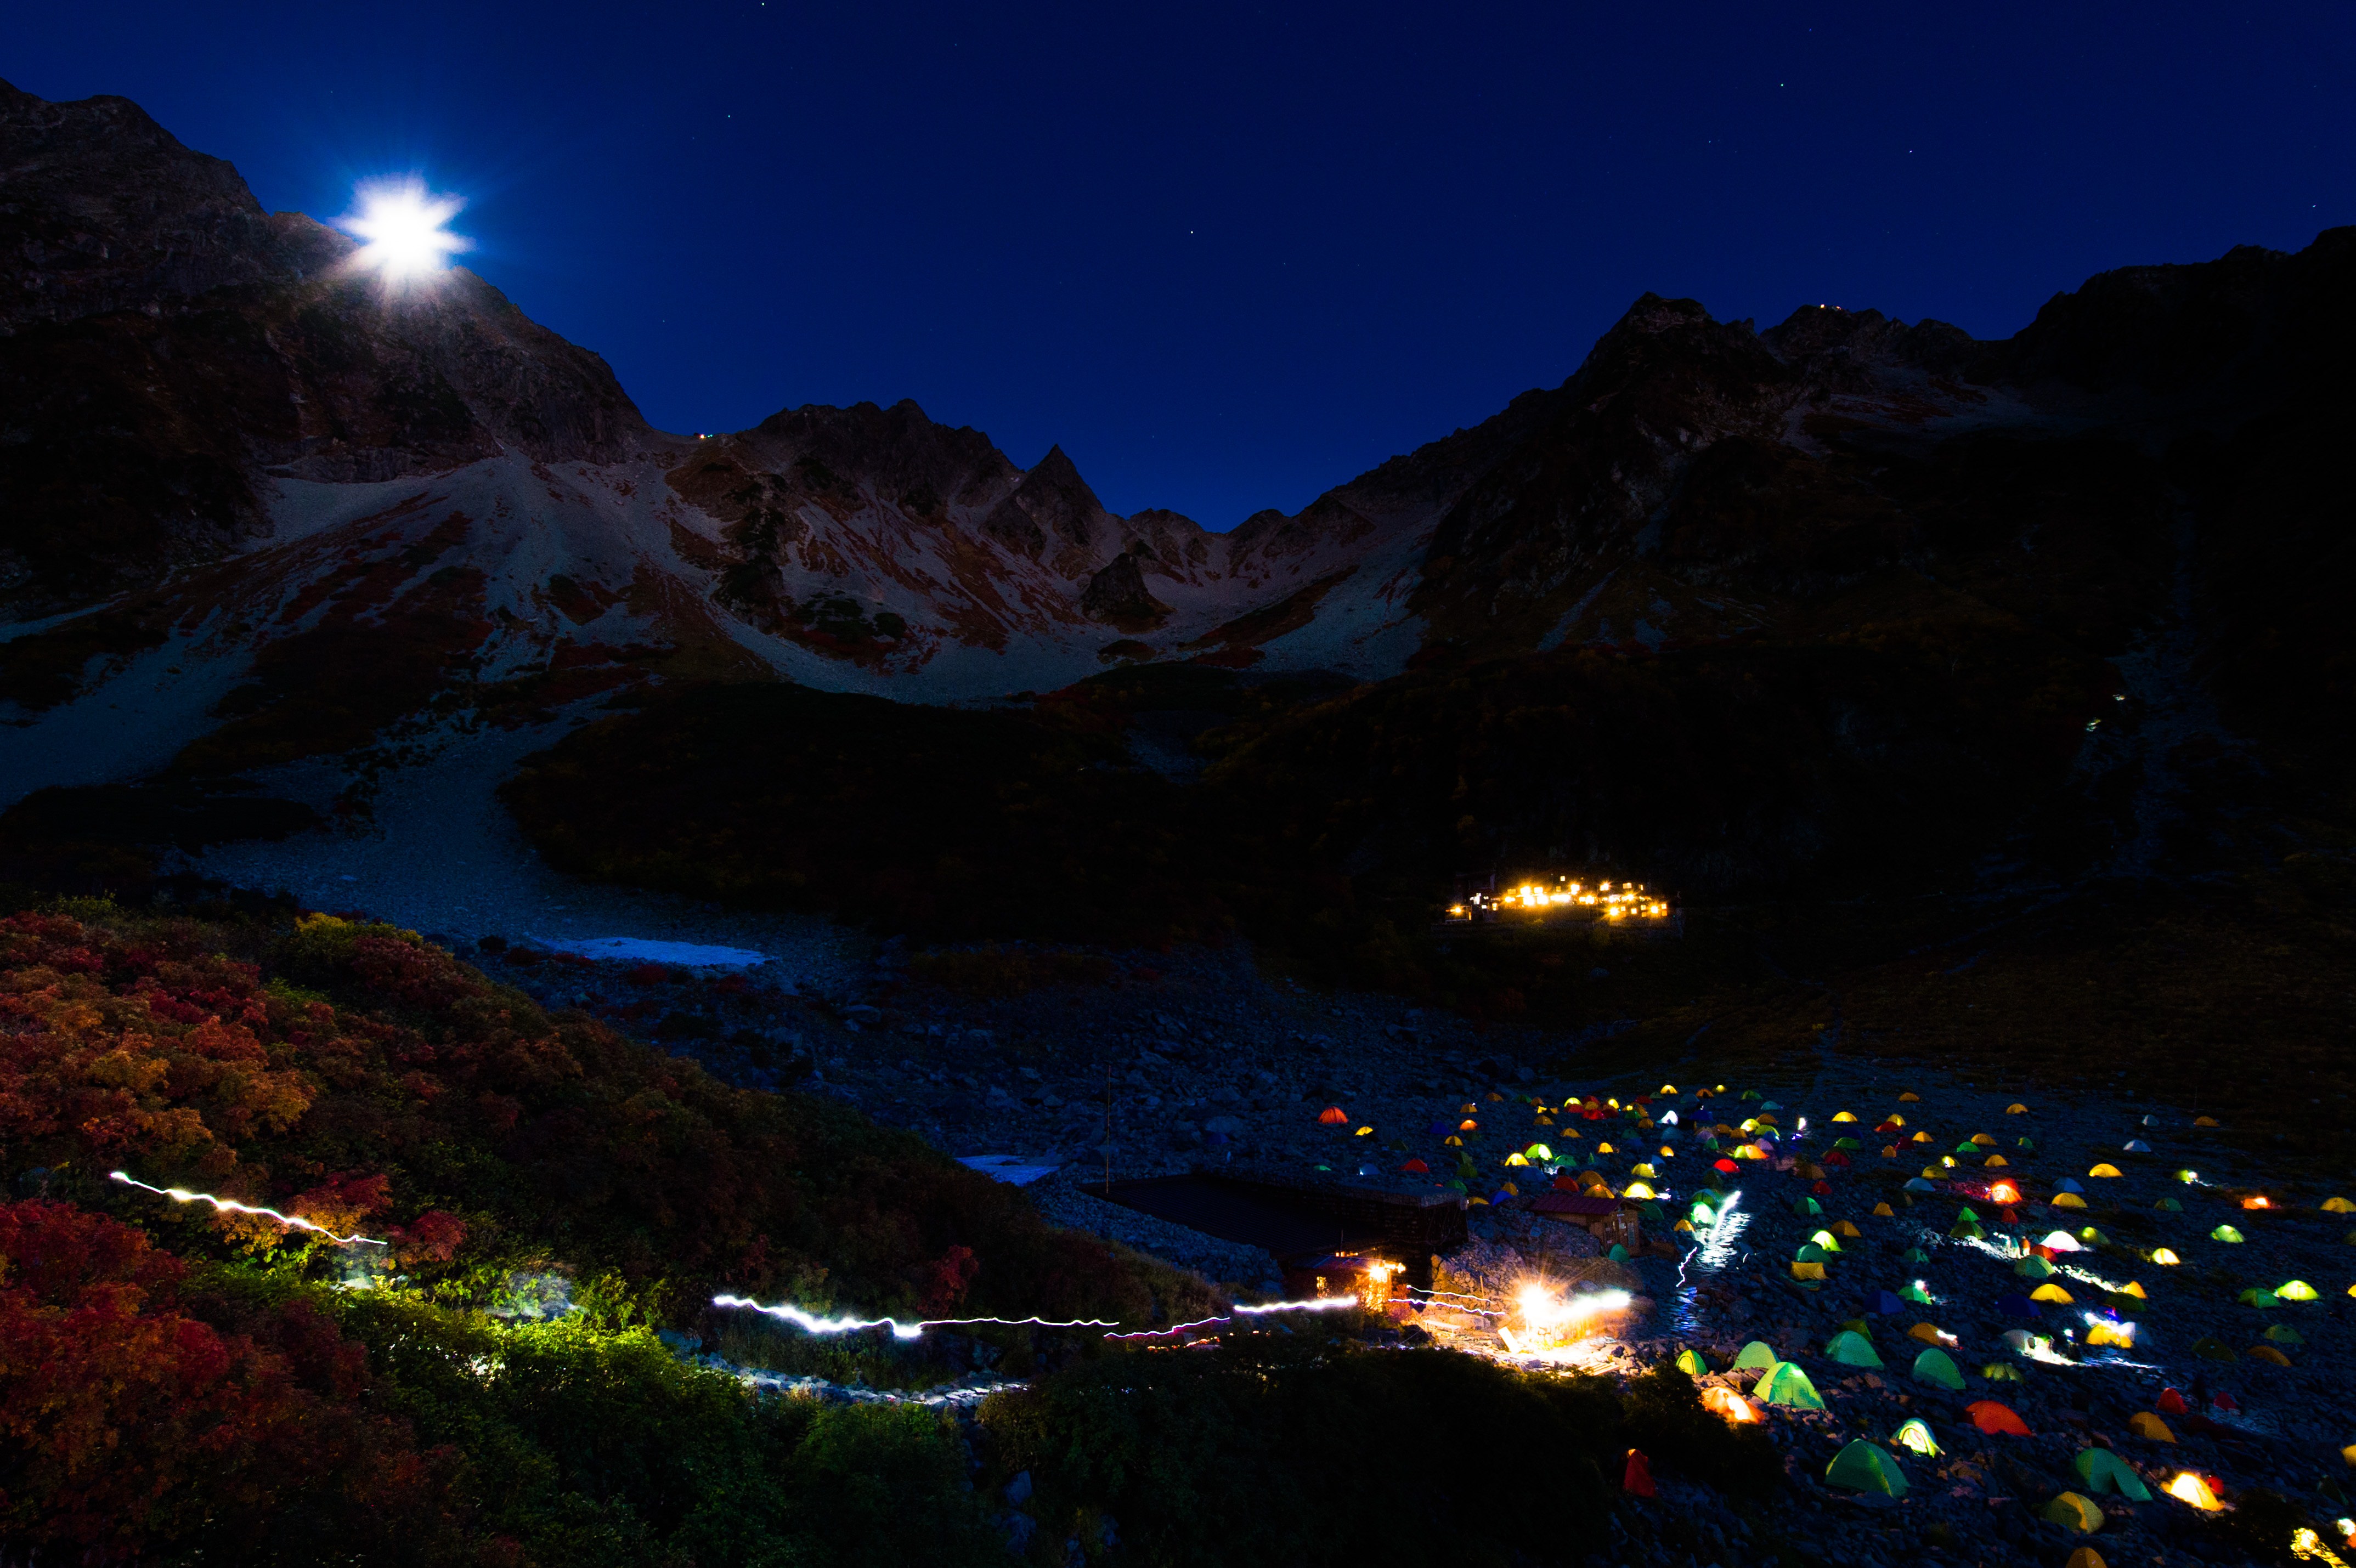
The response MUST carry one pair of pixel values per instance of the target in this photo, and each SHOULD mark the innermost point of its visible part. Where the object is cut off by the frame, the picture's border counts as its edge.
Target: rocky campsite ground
(1199, 1061)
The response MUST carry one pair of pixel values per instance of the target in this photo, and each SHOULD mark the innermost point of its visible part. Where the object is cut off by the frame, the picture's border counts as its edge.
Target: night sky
(1230, 256)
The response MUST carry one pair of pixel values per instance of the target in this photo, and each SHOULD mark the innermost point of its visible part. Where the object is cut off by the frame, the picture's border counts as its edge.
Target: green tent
(1806, 1208)
(1916, 1294)
(1755, 1354)
(1864, 1466)
(1935, 1366)
(1968, 1147)
(1846, 1143)
(1851, 1348)
(1690, 1363)
(1966, 1230)
(2261, 1299)
(2210, 1348)
(2225, 1233)
(2284, 1334)
(2103, 1471)
(1966, 1213)
(1809, 1253)
(2033, 1267)
(1618, 1254)
(1787, 1384)
(2170, 1205)
(1916, 1434)
(2002, 1372)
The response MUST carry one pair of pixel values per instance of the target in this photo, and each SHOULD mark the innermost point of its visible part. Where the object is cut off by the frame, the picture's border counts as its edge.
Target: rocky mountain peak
(1053, 516)
(102, 209)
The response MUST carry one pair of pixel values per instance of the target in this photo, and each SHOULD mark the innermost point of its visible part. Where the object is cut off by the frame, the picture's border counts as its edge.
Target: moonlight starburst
(400, 225)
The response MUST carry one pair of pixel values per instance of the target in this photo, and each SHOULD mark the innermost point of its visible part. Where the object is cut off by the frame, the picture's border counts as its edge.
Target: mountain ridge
(220, 451)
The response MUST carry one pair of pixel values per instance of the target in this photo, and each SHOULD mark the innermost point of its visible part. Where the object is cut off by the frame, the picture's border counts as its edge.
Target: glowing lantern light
(2188, 1177)
(2188, 1487)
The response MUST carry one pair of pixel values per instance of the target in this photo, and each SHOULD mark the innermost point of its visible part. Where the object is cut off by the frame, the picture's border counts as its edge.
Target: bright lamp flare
(403, 227)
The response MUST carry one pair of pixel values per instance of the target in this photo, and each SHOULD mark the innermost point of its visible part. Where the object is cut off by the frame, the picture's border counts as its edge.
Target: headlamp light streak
(1321, 1304)
(231, 1206)
(1718, 1251)
(812, 1323)
(1459, 1298)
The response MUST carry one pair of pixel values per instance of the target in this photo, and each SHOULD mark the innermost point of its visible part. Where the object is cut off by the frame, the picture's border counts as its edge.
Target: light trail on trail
(811, 1323)
(231, 1206)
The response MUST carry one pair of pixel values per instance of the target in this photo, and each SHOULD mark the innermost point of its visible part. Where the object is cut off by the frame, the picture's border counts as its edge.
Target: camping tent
(1787, 1384)
(2105, 1473)
(1864, 1468)
(1851, 1348)
(1935, 1366)
(1992, 1418)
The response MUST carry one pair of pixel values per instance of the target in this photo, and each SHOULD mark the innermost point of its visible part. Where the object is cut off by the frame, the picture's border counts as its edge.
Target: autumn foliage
(170, 1373)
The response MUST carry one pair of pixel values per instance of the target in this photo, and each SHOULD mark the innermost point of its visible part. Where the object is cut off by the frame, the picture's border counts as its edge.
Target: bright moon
(403, 227)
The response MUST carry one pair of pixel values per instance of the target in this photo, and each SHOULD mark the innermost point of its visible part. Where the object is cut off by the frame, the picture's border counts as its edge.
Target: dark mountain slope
(170, 347)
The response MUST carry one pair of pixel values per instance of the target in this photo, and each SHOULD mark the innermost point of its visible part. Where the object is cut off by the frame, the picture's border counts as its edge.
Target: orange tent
(1333, 1116)
(1991, 1417)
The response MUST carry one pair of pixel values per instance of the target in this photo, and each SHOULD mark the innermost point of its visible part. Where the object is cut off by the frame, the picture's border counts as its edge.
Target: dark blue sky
(1229, 256)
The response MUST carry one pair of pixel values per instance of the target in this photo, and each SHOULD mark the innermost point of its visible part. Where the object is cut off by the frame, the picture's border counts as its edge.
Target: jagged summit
(218, 437)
